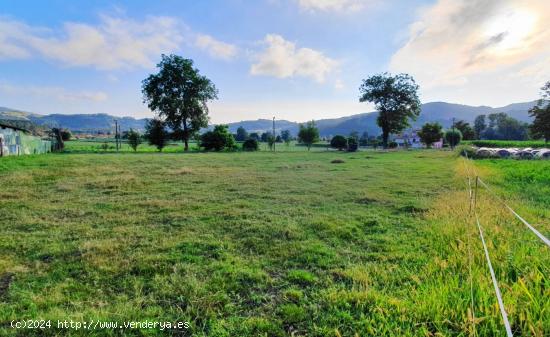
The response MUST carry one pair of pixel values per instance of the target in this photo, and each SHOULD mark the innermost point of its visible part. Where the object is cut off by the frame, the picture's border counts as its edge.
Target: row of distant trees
(179, 95)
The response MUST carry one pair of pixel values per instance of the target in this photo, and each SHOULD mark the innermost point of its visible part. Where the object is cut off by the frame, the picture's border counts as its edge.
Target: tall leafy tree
(479, 126)
(265, 137)
(466, 130)
(155, 133)
(395, 98)
(453, 137)
(242, 135)
(285, 135)
(179, 94)
(134, 139)
(430, 133)
(541, 115)
(503, 127)
(308, 134)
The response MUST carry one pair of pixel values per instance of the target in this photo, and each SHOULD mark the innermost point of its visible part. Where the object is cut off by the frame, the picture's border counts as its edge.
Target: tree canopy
(541, 115)
(241, 135)
(339, 142)
(500, 127)
(395, 98)
(308, 134)
(134, 139)
(466, 130)
(155, 133)
(430, 133)
(179, 94)
(453, 137)
(218, 139)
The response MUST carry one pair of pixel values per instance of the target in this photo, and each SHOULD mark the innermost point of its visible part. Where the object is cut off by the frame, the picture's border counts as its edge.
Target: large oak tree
(395, 98)
(541, 115)
(179, 94)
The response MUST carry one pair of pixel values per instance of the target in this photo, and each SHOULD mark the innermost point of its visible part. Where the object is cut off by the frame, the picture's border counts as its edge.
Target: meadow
(271, 244)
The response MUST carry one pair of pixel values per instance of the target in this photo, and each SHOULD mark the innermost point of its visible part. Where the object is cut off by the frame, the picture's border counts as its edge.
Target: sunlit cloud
(468, 44)
(282, 59)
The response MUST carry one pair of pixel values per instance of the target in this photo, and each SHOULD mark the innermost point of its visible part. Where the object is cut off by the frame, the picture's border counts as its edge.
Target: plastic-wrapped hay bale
(483, 152)
(503, 153)
(543, 154)
(524, 154)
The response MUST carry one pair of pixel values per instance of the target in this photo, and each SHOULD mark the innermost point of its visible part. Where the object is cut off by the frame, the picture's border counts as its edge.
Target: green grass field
(98, 146)
(270, 244)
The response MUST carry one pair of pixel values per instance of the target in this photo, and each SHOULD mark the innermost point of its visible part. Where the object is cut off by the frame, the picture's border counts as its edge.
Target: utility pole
(274, 134)
(116, 134)
(453, 140)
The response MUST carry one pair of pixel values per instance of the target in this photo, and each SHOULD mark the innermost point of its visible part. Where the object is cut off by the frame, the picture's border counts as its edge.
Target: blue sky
(293, 59)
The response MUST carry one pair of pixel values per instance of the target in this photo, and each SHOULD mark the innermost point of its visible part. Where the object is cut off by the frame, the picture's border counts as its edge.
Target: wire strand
(533, 229)
(495, 283)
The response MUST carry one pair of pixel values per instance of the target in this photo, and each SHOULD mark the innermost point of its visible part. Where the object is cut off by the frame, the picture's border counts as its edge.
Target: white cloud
(468, 44)
(216, 48)
(56, 93)
(282, 59)
(338, 84)
(112, 43)
(335, 5)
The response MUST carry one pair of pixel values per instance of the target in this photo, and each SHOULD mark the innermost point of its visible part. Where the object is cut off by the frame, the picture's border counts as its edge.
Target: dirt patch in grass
(5, 281)
(337, 161)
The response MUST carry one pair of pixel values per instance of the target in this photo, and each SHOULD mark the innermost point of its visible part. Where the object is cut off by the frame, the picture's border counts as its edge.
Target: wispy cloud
(216, 48)
(282, 59)
(336, 5)
(112, 43)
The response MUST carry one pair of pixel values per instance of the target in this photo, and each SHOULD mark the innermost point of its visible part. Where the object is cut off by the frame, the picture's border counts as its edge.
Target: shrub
(134, 139)
(250, 144)
(339, 142)
(352, 144)
(453, 137)
(308, 134)
(466, 149)
(392, 145)
(430, 133)
(218, 139)
(155, 133)
(66, 135)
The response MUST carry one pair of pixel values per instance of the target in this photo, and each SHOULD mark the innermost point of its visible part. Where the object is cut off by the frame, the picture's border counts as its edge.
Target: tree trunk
(185, 137)
(385, 136)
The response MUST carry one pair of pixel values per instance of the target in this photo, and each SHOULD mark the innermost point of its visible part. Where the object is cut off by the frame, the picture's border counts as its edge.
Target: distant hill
(431, 112)
(78, 123)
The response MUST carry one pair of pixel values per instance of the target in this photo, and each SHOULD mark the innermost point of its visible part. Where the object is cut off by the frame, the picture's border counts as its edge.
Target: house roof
(4, 125)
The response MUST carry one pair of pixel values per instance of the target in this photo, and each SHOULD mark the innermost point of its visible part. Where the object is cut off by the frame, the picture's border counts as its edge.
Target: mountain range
(441, 112)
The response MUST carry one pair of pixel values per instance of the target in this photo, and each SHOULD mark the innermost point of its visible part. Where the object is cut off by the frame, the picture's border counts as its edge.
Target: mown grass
(263, 244)
(109, 146)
